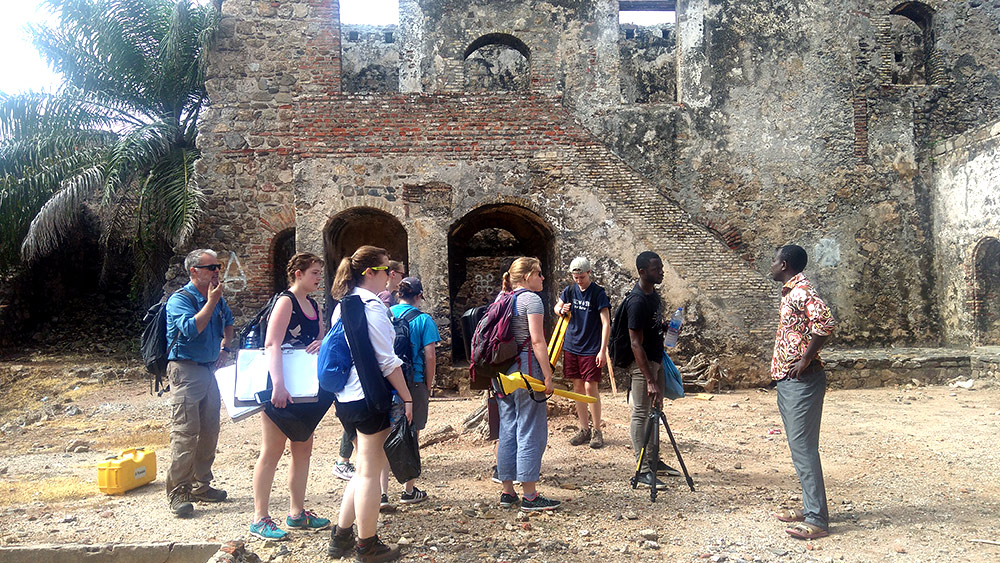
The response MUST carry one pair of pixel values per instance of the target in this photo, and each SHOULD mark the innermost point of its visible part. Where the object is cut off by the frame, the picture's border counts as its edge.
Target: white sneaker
(343, 470)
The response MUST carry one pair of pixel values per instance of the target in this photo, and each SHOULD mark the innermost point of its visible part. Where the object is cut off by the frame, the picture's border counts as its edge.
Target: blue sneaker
(266, 529)
(307, 520)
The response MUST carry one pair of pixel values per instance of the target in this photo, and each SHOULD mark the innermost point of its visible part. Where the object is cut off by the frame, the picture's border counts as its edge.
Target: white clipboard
(226, 378)
(298, 368)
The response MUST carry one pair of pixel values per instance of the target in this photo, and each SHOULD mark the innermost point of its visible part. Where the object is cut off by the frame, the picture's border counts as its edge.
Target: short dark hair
(644, 258)
(795, 256)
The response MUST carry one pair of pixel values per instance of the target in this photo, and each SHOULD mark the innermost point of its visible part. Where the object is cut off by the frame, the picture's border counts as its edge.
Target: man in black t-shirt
(646, 371)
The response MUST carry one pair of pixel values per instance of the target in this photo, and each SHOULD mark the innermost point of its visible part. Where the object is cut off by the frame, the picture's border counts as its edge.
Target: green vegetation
(118, 135)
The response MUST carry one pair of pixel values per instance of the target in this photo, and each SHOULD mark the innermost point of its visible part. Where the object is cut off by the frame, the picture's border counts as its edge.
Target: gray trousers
(640, 414)
(194, 425)
(800, 402)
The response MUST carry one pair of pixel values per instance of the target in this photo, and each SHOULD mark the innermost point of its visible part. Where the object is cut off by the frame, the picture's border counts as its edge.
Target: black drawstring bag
(403, 451)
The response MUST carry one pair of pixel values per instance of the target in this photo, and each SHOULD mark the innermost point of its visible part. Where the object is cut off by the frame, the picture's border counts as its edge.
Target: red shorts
(581, 367)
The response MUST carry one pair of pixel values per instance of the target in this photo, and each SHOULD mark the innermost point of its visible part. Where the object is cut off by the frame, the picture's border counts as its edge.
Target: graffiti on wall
(233, 277)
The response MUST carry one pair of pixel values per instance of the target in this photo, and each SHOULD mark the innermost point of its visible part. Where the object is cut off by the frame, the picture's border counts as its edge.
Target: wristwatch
(227, 350)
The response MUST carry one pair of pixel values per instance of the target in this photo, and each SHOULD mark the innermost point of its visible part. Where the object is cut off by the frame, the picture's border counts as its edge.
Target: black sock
(341, 532)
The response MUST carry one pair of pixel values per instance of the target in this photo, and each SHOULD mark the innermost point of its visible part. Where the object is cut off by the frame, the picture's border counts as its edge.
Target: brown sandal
(805, 531)
(789, 515)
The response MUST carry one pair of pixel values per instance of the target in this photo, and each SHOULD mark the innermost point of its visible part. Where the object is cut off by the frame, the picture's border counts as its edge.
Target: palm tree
(118, 135)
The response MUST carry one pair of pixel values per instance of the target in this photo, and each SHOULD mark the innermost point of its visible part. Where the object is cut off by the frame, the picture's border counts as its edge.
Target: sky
(22, 69)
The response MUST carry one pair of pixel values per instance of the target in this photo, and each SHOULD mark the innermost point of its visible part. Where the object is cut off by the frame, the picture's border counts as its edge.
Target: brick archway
(358, 226)
(481, 246)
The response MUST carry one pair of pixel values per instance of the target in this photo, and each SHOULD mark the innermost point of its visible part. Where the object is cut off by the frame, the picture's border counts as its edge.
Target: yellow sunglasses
(375, 269)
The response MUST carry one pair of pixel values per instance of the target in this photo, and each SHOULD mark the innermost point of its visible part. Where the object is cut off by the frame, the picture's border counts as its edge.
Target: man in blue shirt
(199, 317)
(585, 348)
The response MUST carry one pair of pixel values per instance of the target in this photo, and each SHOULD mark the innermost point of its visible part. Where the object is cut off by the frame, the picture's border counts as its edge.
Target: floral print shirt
(802, 315)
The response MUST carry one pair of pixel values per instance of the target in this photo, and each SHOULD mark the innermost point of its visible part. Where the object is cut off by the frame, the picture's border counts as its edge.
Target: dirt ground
(912, 475)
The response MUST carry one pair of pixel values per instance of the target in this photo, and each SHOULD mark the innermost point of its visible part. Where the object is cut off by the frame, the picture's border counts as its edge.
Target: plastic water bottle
(397, 411)
(674, 328)
(250, 341)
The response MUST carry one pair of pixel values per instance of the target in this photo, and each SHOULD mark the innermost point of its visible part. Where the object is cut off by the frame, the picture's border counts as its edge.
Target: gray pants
(641, 406)
(800, 402)
(194, 425)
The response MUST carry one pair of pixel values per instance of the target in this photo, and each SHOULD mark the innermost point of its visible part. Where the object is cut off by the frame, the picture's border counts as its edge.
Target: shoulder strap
(411, 314)
(194, 303)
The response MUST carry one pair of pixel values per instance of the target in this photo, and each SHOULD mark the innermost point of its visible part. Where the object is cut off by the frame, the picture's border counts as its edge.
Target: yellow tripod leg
(557, 339)
(555, 336)
(514, 381)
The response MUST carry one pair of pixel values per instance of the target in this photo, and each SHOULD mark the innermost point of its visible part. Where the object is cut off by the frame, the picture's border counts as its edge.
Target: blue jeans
(800, 402)
(524, 431)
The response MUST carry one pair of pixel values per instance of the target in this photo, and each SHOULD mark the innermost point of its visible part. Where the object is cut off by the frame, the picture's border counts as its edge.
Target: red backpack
(493, 346)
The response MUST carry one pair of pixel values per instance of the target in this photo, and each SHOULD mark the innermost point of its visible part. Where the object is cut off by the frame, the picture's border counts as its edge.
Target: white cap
(579, 265)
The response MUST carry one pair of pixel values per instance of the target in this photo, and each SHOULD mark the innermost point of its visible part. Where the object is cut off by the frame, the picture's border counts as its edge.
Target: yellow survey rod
(514, 381)
(558, 336)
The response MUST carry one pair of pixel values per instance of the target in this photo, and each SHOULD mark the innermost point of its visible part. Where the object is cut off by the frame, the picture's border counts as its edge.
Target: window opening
(497, 62)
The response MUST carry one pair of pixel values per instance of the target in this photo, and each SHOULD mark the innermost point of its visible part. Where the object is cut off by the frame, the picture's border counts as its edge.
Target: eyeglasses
(376, 269)
(210, 267)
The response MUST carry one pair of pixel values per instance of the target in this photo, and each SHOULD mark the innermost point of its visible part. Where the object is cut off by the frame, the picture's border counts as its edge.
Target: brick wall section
(521, 127)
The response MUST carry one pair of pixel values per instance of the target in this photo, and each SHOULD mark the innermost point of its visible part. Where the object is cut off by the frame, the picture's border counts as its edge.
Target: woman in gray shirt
(523, 423)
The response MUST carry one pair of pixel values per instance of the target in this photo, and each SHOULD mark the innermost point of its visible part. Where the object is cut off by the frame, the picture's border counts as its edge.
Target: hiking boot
(580, 438)
(539, 503)
(508, 500)
(341, 542)
(664, 469)
(208, 494)
(597, 440)
(181, 502)
(343, 470)
(649, 480)
(374, 551)
(307, 520)
(413, 498)
(266, 529)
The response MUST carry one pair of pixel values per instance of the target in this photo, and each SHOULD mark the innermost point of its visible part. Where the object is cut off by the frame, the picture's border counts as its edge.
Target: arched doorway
(986, 301)
(358, 226)
(481, 247)
(282, 250)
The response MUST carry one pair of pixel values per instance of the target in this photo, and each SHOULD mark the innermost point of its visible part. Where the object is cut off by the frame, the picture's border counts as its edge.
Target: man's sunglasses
(210, 267)
(376, 269)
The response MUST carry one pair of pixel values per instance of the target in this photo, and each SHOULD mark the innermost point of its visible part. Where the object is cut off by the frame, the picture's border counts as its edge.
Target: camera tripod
(656, 415)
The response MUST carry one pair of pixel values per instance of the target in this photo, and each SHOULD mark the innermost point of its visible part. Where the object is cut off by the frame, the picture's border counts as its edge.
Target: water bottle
(250, 342)
(398, 411)
(674, 328)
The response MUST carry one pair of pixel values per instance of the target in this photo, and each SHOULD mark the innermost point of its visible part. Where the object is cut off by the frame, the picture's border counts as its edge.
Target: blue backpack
(334, 361)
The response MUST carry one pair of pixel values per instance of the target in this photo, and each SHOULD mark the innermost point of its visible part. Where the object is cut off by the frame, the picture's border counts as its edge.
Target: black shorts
(356, 416)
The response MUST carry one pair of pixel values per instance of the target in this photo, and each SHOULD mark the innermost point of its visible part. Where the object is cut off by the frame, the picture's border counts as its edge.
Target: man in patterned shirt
(804, 325)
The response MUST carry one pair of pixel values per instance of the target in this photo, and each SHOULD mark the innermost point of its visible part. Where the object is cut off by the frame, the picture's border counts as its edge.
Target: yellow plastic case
(132, 468)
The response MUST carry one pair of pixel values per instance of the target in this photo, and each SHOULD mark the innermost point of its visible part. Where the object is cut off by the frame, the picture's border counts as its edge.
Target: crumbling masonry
(475, 131)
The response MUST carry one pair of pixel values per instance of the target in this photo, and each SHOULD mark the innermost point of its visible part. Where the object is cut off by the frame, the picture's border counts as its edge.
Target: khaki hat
(579, 265)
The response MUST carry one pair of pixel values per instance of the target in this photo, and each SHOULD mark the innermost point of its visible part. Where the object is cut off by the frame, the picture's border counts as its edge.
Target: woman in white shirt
(364, 274)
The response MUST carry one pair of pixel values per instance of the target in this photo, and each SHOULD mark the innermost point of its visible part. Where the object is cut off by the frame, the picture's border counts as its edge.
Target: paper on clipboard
(298, 367)
(226, 377)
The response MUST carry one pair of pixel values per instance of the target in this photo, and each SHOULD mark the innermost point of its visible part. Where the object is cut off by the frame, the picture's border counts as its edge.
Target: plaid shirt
(802, 315)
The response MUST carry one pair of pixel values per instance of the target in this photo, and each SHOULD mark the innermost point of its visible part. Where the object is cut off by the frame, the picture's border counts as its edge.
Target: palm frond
(59, 214)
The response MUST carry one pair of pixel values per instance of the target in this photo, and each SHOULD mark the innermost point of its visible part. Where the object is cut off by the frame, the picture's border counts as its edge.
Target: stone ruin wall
(783, 132)
(967, 235)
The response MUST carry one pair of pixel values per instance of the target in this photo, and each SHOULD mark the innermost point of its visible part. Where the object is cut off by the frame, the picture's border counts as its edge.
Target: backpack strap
(411, 314)
(194, 303)
(160, 389)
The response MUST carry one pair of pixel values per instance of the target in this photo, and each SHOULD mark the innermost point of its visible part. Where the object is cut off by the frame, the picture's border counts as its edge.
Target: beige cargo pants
(194, 424)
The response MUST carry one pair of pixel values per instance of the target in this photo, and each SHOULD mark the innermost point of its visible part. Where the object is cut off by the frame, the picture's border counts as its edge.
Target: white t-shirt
(381, 333)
